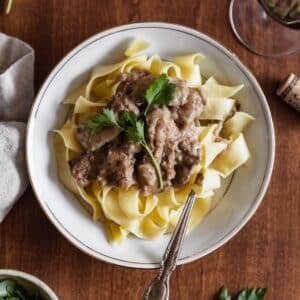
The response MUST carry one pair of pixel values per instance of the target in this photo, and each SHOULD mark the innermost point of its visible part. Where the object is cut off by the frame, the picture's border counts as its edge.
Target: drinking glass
(263, 28)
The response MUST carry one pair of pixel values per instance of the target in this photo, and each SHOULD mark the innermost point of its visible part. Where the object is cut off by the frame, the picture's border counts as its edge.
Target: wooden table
(265, 253)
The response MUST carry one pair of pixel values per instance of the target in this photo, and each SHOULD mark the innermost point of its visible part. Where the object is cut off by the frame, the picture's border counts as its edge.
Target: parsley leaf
(246, 294)
(161, 91)
(223, 294)
(136, 132)
(252, 294)
(127, 118)
(105, 118)
(133, 127)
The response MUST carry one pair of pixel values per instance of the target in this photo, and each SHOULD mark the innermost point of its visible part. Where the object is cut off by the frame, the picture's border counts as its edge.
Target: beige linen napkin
(16, 95)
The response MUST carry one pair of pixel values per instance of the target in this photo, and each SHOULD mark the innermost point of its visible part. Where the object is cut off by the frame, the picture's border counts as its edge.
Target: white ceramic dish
(29, 282)
(244, 193)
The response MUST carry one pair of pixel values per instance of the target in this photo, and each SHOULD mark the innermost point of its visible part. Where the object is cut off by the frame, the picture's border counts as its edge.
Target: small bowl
(29, 282)
(239, 198)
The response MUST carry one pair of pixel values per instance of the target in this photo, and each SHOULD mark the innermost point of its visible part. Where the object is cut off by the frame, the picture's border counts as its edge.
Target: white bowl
(29, 282)
(242, 197)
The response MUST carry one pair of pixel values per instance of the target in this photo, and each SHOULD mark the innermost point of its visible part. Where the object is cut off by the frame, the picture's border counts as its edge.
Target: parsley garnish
(105, 118)
(252, 294)
(161, 91)
(223, 294)
(127, 118)
(133, 128)
(11, 290)
(246, 294)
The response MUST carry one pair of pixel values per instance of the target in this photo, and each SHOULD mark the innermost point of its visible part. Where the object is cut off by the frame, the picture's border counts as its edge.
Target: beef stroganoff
(141, 134)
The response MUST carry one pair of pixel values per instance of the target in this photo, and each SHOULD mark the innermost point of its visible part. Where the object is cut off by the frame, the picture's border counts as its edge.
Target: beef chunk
(161, 129)
(147, 178)
(163, 136)
(85, 167)
(135, 84)
(118, 168)
(91, 141)
(121, 102)
(188, 157)
(187, 105)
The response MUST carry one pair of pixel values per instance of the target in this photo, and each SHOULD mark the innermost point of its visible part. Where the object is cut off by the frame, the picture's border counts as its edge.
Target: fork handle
(159, 288)
(168, 263)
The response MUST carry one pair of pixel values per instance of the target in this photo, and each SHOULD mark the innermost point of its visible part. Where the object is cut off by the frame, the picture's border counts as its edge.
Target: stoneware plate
(29, 282)
(237, 203)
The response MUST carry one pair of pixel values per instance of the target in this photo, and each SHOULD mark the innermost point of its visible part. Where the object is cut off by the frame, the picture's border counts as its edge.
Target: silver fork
(159, 288)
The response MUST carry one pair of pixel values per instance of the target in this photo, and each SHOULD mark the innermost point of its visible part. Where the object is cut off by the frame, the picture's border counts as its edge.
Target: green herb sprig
(223, 294)
(246, 294)
(252, 294)
(133, 128)
(11, 290)
(105, 118)
(161, 91)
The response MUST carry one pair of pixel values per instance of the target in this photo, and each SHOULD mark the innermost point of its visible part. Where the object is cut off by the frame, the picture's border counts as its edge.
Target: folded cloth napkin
(16, 95)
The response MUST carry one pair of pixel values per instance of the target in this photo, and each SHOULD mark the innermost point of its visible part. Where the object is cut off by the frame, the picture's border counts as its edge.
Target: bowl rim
(30, 278)
(234, 59)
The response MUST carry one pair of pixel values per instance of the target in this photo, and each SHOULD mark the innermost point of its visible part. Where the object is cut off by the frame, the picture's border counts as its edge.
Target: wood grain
(265, 253)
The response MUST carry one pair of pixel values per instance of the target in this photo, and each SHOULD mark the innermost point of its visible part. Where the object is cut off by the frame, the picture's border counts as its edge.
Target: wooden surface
(265, 253)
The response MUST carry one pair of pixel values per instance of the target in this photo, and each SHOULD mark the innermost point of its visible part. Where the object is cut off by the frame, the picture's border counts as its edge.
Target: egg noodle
(128, 211)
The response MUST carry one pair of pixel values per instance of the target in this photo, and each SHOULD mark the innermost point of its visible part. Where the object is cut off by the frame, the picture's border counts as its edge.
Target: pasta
(223, 148)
